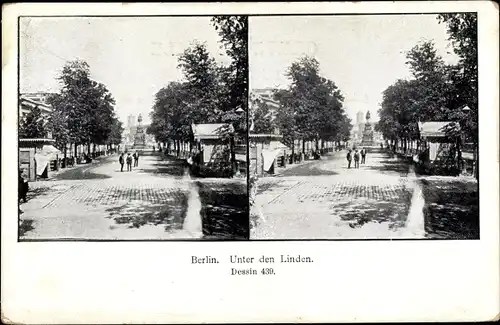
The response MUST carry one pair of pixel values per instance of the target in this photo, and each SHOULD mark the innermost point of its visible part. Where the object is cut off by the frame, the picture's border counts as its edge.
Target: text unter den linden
(247, 265)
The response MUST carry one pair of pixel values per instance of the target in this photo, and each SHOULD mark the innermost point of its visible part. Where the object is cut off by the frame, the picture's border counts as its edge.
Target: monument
(367, 139)
(140, 135)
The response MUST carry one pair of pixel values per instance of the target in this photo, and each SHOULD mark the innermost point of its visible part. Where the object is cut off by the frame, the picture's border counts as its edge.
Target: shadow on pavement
(79, 174)
(84, 171)
(224, 210)
(451, 209)
(391, 166)
(307, 170)
(25, 226)
(34, 192)
(169, 167)
(393, 213)
(171, 215)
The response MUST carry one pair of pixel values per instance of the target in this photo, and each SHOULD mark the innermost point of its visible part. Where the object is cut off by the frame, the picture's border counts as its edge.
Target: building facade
(28, 101)
(265, 95)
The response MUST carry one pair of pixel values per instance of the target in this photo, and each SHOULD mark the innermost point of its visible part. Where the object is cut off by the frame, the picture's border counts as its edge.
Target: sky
(363, 55)
(133, 57)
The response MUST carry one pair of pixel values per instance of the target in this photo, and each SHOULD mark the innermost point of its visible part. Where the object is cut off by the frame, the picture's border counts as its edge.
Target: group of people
(128, 160)
(356, 155)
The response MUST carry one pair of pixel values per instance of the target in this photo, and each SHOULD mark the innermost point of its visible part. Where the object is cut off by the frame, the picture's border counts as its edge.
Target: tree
(262, 116)
(102, 110)
(210, 93)
(83, 105)
(172, 114)
(429, 96)
(32, 124)
(462, 32)
(115, 136)
(399, 112)
(202, 81)
(311, 108)
(58, 126)
(233, 31)
(344, 129)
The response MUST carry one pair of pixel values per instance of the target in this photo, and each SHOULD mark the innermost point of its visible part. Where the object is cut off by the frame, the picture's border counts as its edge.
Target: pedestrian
(23, 187)
(129, 162)
(136, 159)
(122, 162)
(363, 156)
(356, 158)
(349, 158)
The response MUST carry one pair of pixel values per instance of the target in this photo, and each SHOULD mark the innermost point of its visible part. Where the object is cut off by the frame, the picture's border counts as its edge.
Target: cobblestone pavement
(451, 207)
(327, 200)
(97, 201)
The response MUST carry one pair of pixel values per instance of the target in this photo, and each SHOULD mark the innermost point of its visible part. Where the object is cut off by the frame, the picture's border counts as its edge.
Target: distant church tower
(360, 123)
(131, 121)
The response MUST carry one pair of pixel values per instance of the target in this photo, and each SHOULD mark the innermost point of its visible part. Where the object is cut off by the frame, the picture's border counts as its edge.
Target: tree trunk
(476, 161)
(293, 152)
(233, 156)
(65, 155)
(178, 148)
(76, 149)
(459, 155)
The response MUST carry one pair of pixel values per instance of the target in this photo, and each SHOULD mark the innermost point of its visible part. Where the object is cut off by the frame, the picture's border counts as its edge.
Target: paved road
(326, 200)
(384, 198)
(98, 201)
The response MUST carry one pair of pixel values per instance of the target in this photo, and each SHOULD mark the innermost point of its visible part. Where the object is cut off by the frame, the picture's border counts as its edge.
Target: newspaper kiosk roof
(436, 129)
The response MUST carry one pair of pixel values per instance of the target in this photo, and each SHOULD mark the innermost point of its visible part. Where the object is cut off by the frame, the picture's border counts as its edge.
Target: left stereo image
(131, 130)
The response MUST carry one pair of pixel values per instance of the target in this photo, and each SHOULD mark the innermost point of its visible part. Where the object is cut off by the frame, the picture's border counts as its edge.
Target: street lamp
(234, 165)
(466, 109)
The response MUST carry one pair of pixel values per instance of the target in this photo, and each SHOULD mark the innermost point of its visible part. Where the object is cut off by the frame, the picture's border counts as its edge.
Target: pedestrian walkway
(327, 200)
(101, 202)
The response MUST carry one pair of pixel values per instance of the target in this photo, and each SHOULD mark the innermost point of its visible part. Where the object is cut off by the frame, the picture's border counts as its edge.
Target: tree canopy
(209, 92)
(83, 111)
(311, 108)
(436, 91)
(32, 125)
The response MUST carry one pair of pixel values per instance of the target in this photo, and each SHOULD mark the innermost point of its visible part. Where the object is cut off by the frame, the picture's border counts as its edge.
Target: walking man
(363, 156)
(356, 158)
(122, 161)
(136, 159)
(23, 187)
(129, 162)
(349, 158)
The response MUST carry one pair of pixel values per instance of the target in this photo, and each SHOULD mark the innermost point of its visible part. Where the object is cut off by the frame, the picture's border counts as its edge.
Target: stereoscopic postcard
(250, 162)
